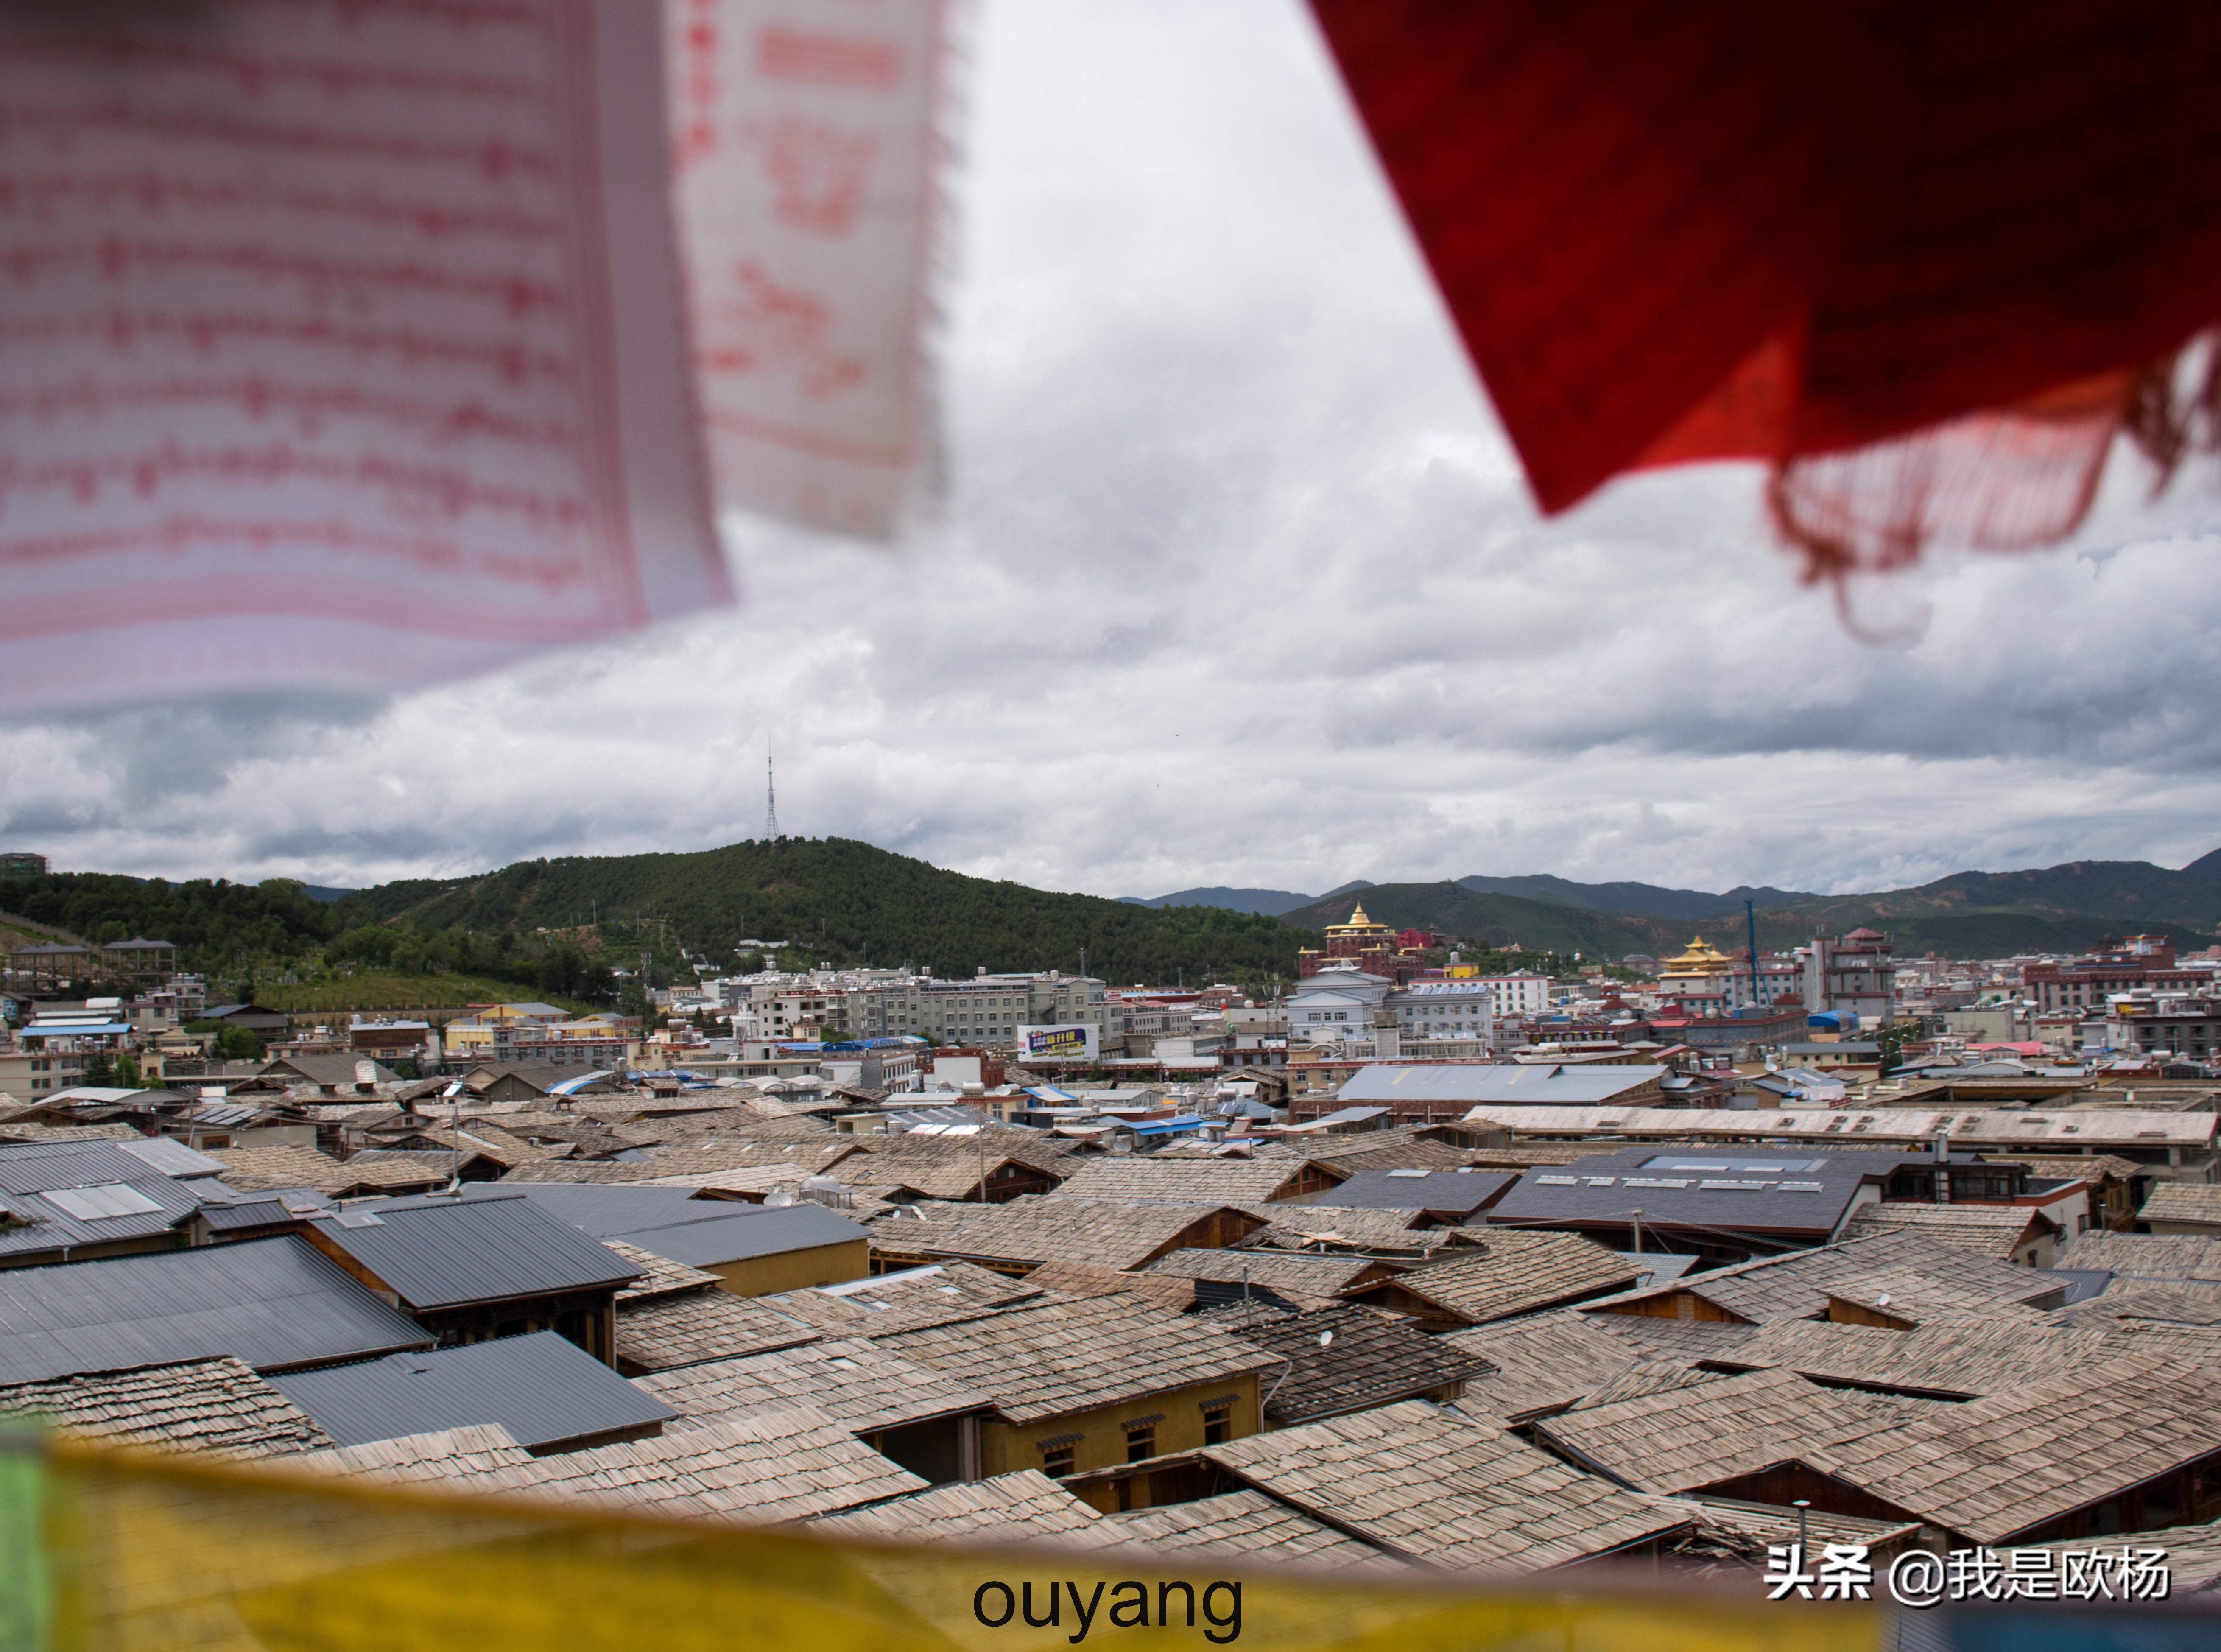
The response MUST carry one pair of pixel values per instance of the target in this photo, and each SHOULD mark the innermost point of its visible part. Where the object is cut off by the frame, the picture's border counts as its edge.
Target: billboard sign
(1077, 1042)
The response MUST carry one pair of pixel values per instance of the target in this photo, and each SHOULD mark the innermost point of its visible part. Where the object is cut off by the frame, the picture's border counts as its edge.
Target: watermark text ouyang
(996, 1604)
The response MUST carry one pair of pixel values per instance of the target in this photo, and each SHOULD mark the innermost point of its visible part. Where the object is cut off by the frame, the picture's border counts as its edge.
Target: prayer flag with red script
(346, 343)
(1926, 259)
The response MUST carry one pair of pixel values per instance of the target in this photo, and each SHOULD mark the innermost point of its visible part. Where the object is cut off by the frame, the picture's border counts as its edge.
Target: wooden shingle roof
(1185, 1181)
(939, 1294)
(778, 1463)
(1347, 1359)
(1028, 1230)
(660, 1275)
(1548, 1362)
(1276, 1270)
(861, 1383)
(2150, 1257)
(1945, 1358)
(257, 1169)
(2014, 1462)
(1024, 1506)
(1797, 1284)
(1992, 1229)
(1325, 1228)
(687, 1328)
(216, 1405)
(1513, 1271)
(1077, 1354)
(1690, 1437)
(2183, 1201)
(1094, 1280)
(1443, 1489)
(432, 1458)
(1244, 1524)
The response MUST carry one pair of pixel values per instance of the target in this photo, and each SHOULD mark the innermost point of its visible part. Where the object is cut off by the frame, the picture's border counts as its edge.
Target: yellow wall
(797, 1270)
(1005, 1447)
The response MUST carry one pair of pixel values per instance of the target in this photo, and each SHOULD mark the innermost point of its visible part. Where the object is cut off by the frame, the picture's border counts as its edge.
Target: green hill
(841, 902)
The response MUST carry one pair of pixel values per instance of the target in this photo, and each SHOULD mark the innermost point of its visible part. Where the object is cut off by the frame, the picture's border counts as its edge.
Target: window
(1140, 1442)
(1057, 1457)
(1217, 1426)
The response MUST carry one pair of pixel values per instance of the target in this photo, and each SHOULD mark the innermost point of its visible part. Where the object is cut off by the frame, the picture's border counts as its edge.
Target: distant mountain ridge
(1266, 903)
(2067, 908)
(1647, 898)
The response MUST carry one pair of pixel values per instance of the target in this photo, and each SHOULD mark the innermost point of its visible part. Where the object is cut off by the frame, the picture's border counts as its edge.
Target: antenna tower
(771, 801)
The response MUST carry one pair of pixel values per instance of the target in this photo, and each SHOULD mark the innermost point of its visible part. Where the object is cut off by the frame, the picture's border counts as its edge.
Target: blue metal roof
(1185, 1122)
(545, 1389)
(273, 1303)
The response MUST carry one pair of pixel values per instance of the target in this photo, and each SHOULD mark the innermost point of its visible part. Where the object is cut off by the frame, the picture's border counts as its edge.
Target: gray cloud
(1238, 583)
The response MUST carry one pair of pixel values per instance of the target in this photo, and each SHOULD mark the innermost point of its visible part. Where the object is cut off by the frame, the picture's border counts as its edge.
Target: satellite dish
(1326, 1337)
(778, 1200)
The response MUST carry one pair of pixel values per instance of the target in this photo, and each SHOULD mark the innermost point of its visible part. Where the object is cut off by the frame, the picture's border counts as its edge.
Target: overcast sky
(1238, 584)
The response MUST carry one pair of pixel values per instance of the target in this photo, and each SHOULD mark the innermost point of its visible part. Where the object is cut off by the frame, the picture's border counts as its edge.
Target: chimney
(1943, 1145)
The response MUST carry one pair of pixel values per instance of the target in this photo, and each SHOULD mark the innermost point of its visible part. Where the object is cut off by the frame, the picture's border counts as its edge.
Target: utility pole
(1750, 918)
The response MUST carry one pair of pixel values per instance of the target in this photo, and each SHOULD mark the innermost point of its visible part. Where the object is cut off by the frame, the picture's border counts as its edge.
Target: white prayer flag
(339, 344)
(805, 138)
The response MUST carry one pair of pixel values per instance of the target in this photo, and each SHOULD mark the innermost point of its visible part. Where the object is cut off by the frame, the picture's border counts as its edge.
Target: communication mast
(771, 801)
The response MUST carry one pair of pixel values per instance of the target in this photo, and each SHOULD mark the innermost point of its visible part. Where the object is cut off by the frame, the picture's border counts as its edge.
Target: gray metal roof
(602, 1209)
(1462, 1191)
(271, 1302)
(443, 1252)
(672, 1223)
(751, 1231)
(172, 1157)
(544, 1389)
(1474, 1084)
(1779, 1190)
(33, 1173)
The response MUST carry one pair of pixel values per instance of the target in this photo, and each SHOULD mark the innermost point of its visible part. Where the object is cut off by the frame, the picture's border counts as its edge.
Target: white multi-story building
(1443, 1009)
(1525, 994)
(1334, 1006)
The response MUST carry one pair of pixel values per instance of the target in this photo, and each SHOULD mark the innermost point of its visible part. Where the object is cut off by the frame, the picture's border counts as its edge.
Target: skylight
(98, 1204)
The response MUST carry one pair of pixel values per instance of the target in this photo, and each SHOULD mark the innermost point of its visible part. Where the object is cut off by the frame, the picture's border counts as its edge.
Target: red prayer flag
(1927, 260)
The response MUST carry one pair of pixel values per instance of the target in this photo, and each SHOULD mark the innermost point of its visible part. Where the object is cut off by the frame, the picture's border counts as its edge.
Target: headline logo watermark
(1918, 1578)
(1126, 1612)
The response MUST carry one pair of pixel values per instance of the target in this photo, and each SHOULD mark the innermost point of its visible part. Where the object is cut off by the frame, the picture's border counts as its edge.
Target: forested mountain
(841, 902)
(2205, 866)
(1648, 899)
(208, 919)
(1974, 914)
(1270, 902)
(560, 926)
(2134, 892)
